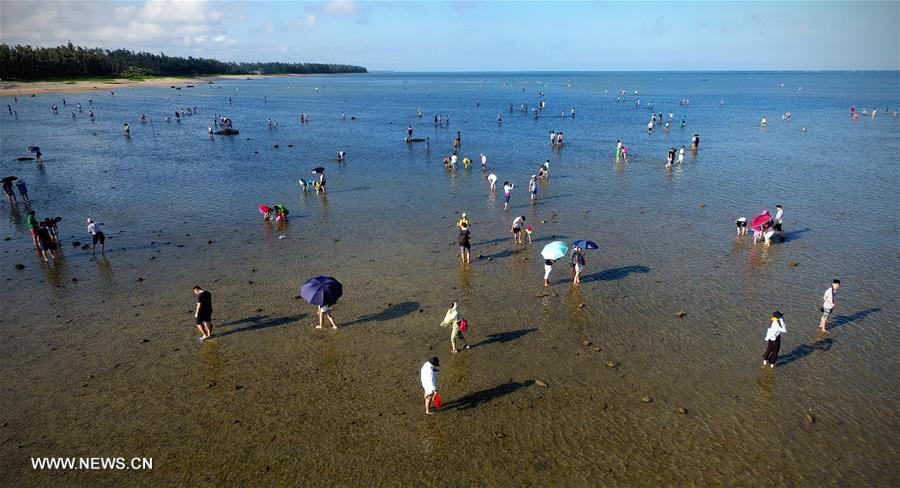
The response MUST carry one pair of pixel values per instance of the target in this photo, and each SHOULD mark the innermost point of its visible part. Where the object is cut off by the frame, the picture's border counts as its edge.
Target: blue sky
(482, 36)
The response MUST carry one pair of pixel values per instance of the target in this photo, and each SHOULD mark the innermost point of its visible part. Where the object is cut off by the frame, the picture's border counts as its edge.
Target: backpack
(463, 325)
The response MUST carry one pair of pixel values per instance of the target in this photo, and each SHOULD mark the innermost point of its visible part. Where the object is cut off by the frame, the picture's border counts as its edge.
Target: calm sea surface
(99, 358)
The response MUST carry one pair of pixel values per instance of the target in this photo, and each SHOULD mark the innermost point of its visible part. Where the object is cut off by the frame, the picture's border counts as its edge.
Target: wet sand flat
(603, 384)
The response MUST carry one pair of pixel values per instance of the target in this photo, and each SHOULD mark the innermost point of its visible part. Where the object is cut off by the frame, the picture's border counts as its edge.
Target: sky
(465, 35)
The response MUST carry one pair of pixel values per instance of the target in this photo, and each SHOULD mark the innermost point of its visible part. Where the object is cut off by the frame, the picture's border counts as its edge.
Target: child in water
(741, 224)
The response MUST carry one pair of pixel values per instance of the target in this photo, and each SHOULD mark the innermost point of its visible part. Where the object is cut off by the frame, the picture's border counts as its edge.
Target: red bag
(463, 325)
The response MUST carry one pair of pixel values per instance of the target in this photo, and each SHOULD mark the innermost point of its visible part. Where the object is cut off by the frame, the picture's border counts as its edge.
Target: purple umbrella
(322, 290)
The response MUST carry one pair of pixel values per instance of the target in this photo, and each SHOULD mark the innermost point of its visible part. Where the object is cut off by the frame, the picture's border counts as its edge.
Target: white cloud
(147, 24)
(339, 7)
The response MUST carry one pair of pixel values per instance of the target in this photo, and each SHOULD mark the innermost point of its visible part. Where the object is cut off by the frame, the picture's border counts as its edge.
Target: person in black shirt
(464, 245)
(203, 312)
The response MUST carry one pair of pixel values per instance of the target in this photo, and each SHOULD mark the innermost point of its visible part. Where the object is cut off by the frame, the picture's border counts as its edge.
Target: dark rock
(7, 238)
(74, 280)
(680, 313)
(85, 246)
(144, 341)
(209, 242)
(20, 266)
(793, 264)
(250, 282)
(296, 297)
(258, 310)
(276, 146)
(139, 279)
(702, 204)
(238, 387)
(76, 243)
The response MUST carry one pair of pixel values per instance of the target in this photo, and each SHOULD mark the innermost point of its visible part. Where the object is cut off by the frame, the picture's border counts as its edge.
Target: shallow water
(273, 401)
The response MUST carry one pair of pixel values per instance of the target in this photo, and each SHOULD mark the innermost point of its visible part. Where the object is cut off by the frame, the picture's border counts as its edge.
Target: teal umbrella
(554, 250)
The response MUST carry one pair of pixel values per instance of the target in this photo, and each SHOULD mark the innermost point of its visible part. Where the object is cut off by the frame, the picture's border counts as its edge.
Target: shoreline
(28, 88)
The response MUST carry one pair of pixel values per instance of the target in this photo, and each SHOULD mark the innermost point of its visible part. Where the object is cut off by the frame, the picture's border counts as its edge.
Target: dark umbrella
(34, 149)
(8, 179)
(583, 244)
(321, 290)
(319, 170)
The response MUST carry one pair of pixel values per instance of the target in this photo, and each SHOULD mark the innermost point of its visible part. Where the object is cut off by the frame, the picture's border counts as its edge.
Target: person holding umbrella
(323, 291)
(551, 253)
(578, 258)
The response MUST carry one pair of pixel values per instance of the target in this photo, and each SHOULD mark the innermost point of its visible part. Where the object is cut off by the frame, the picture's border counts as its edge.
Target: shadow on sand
(392, 312)
(827, 343)
(478, 398)
(504, 336)
(257, 322)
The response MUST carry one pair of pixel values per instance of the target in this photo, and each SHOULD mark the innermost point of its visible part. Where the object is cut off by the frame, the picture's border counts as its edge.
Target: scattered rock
(7, 238)
(249, 282)
(646, 399)
(235, 421)
(793, 264)
(810, 419)
(610, 364)
(680, 313)
(74, 280)
(20, 266)
(276, 146)
(586, 343)
(258, 310)
(540, 383)
(543, 221)
(702, 204)
(490, 259)
(211, 384)
(581, 305)
(296, 297)
(682, 411)
(139, 279)
(209, 241)
(597, 349)
(76, 243)
(603, 406)
(238, 387)
(180, 245)
(152, 258)
(144, 341)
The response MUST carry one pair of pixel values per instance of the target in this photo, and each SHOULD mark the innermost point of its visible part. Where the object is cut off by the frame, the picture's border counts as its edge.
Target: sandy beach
(27, 88)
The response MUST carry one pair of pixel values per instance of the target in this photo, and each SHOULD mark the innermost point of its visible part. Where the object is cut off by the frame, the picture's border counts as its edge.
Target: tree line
(69, 61)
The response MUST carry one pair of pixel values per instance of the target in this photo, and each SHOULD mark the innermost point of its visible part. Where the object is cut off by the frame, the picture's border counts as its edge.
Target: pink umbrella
(760, 219)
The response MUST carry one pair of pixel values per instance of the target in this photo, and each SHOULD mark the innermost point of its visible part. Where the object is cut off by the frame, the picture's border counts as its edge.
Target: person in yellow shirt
(463, 221)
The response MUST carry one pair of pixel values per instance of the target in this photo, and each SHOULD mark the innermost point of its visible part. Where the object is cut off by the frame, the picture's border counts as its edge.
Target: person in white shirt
(681, 155)
(518, 226)
(507, 193)
(492, 179)
(483, 163)
(532, 187)
(97, 236)
(773, 339)
(828, 303)
(429, 381)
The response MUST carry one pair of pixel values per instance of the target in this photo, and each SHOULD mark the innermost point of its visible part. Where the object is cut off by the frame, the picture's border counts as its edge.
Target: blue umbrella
(321, 290)
(554, 250)
(583, 244)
